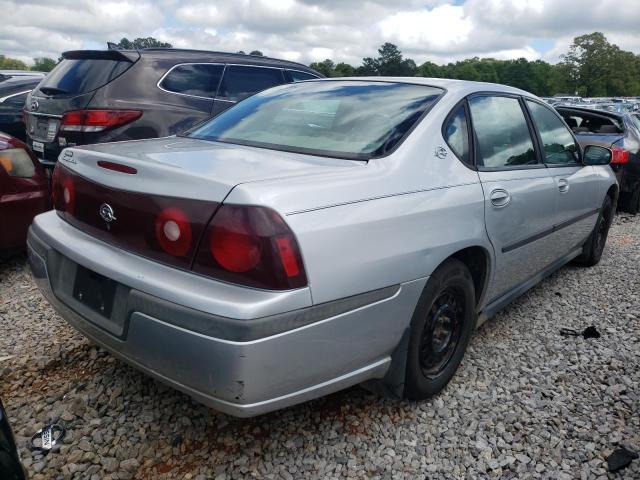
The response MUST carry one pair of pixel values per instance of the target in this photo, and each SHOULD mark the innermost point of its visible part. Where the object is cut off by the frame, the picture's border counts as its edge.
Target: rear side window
(193, 79)
(297, 76)
(456, 133)
(503, 136)
(241, 82)
(81, 76)
(559, 146)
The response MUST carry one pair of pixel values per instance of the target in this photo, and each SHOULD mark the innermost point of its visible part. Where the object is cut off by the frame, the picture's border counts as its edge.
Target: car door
(242, 81)
(519, 192)
(577, 187)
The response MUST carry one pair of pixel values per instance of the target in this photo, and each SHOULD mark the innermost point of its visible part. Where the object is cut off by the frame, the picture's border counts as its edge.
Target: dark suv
(109, 95)
(14, 88)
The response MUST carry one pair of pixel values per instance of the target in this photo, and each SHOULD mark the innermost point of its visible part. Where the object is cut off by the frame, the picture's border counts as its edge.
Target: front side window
(503, 136)
(456, 134)
(557, 142)
(196, 79)
(344, 119)
(241, 82)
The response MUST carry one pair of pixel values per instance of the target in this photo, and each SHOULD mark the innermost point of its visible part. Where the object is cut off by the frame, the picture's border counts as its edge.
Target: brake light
(117, 167)
(96, 120)
(620, 156)
(251, 246)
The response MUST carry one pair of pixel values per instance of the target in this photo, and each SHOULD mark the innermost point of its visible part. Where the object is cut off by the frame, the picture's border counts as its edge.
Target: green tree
(257, 53)
(596, 67)
(43, 64)
(7, 63)
(139, 43)
(344, 70)
(390, 62)
(325, 67)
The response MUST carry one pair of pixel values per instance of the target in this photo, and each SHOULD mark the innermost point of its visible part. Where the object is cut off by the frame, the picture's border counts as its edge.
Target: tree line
(592, 67)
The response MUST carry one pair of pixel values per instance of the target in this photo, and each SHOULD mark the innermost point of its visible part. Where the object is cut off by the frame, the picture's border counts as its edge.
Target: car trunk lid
(138, 195)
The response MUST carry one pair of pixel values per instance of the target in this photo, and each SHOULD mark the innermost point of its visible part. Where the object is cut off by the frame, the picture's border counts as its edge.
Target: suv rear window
(81, 76)
(345, 119)
(199, 79)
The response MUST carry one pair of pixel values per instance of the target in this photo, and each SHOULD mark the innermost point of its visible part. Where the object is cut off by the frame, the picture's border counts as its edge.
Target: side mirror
(596, 155)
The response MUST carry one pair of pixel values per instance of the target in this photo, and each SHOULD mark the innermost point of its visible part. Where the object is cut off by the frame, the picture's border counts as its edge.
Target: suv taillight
(96, 120)
(620, 156)
(251, 246)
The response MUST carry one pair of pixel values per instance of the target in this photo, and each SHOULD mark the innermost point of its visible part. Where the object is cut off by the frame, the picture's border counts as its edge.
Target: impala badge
(107, 213)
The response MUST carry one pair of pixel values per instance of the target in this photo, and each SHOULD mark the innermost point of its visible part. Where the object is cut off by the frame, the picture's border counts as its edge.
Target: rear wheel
(633, 205)
(441, 328)
(594, 246)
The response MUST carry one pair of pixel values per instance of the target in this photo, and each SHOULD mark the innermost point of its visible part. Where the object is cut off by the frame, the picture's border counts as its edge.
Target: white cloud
(310, 30)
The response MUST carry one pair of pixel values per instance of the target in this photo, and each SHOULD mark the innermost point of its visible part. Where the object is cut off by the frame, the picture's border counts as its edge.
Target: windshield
(347, 119)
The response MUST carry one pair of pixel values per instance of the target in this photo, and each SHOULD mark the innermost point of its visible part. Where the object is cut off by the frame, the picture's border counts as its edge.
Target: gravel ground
(526, 403)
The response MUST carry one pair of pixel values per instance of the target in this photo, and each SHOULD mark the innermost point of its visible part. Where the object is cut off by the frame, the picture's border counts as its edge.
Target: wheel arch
(478, 261)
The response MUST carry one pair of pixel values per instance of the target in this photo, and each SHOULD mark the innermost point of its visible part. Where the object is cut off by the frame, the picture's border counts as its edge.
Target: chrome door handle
(563, 185)
(500, 197)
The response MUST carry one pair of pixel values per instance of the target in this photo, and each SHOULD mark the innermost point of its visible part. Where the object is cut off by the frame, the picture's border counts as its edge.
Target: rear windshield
(346, 119)
(584, 123)
(81, 76)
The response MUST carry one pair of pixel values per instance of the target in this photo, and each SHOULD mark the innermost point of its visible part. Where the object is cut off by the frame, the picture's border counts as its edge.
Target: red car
(24, 192)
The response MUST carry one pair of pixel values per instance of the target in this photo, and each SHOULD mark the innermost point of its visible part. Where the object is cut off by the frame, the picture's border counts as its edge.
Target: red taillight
(251, 246)
(96, 120)
(620, 156)
(63, 191)
(173, 231)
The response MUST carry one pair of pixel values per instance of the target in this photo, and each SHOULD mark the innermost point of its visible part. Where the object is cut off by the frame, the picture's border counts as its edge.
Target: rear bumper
(241, 366)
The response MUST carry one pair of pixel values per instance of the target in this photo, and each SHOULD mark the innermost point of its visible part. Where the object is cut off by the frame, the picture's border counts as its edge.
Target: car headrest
(608, 129)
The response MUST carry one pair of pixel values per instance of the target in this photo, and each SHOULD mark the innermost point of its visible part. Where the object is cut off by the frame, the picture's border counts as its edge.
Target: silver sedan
(320, 235)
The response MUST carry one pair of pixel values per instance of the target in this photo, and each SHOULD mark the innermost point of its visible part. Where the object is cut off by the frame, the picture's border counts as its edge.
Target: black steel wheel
(594, 246)
(441, 328)
(442, 331)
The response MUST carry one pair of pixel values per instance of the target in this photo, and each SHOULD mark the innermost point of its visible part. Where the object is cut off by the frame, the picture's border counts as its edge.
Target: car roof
(20, 82)
(188, 55)
(22, 73)
(461, 87)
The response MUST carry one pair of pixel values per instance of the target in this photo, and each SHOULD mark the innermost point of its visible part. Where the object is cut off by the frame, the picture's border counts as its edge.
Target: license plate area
(94, 291)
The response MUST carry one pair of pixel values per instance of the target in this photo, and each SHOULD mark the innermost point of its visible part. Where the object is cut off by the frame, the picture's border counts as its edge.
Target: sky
(312, 30)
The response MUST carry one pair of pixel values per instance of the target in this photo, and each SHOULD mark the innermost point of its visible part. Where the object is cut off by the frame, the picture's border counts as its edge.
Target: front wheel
(594, 246)
(441, 328)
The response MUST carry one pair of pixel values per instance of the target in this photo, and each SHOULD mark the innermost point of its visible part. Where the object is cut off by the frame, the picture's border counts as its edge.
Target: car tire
(633, 203)
(441, 328)
(594, 246)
